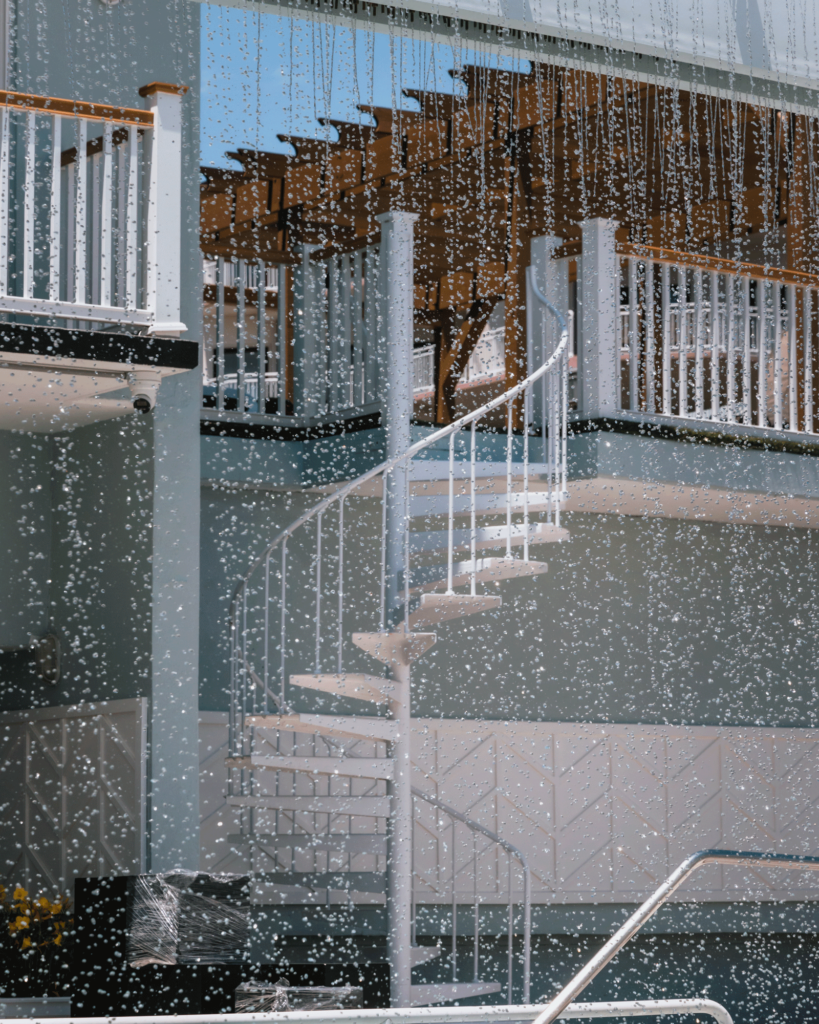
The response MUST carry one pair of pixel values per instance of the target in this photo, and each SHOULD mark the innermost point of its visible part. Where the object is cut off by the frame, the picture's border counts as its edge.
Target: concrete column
(395, 347)
(395, 391)
(173, 731)
(309, 337)
(543, 334)
(598, 369)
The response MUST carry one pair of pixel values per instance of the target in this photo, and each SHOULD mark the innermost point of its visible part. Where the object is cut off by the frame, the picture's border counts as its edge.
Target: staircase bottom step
(426, 995)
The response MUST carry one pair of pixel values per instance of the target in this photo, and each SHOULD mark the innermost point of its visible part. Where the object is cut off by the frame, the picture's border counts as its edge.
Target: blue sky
(263, 74)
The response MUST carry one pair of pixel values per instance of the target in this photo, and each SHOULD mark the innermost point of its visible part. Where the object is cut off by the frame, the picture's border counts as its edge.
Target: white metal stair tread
(374, 806)
(394, 647)
(485, 504)
(487, 570)
(486, 537)
(348, 842)
(437, 608)
(353, 767)
(348, 684)
(302, 895)
(329, 725)
(438, 469)
(424, 995)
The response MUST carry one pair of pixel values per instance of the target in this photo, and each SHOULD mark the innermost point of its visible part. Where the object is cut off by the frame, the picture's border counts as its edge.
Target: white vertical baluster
(241, 334)
(682, 347)
(281, 340)
(28, 205)
(762, 354)
(633, 337)
(131, 262)
(360, 384)
(747, 416)
(699, 347)
(730, 314)
(80, 212)
(472, 524)
(526, 486)
(95, 162)
(347, 380)
(451, 514)
(509, 479)
(220, 333)
(5, 122)
(651, 399)
(666, 315)
(776, 295)
(122, 205)
(807, 334)
(793, 394)
(714, 323)
(334, 332)
(54, 252)
(106, 216)
(261, 340)
(70, 228)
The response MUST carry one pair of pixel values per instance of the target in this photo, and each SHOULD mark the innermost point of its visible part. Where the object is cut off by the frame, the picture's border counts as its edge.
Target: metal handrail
(426, 442)
(418, 1015)
(555, 1007)
(525, 868)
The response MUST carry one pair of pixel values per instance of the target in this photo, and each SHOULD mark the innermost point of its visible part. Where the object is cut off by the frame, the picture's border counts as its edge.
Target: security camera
(144, 385)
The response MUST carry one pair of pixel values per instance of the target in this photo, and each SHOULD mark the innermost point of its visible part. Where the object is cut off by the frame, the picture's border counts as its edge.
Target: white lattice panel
(603, 813)
(73, 792)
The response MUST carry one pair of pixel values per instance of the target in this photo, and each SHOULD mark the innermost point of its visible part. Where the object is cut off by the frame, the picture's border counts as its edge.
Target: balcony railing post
(164, 227)
(598, 371)
(309, 336)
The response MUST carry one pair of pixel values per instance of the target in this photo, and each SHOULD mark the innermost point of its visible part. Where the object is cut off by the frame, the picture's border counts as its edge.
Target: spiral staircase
(461, 508)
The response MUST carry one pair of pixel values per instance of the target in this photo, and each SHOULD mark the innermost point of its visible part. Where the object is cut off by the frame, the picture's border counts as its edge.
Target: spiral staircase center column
(396, 404)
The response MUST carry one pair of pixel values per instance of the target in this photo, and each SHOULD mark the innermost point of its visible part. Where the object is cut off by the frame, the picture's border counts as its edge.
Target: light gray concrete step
(354, 843)
(352, 767)
(347, 726)
(487, 570)
(445, 992)
(375, 806)
(435, 608)
(486, 537)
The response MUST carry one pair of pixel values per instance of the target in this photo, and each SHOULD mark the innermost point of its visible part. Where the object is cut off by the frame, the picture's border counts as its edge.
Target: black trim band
(98, 346)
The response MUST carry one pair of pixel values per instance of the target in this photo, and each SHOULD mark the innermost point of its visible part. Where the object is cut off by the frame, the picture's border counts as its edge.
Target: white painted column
(543, 335)
(395, 391)
(309, 336)
(598, 366)
(164, 220)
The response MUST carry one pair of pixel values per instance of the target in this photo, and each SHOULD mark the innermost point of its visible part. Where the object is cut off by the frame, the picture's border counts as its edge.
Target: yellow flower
(44, 902)
(22, 922)
(26, 942)
(56, 908)
(58, 940)
(12, 928)
(20, 893)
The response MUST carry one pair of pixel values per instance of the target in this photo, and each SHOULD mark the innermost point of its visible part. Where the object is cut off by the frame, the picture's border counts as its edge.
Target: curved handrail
(426, 442)
(555, 1007)
(420, 1014)
(515, 852)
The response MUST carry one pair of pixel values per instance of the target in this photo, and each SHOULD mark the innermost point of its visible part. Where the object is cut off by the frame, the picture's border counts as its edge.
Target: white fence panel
(73, 792)
(603, 812)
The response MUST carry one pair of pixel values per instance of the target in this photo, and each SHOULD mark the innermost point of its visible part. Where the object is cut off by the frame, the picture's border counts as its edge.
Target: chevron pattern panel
(72, 793)
(603, 812)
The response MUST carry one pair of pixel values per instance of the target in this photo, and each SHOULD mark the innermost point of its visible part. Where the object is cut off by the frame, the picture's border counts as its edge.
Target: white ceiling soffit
(762, 50)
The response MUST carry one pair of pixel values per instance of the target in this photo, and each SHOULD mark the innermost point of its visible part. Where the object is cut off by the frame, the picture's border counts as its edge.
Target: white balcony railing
(90, 210)
(310, 333)
(703, 339)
